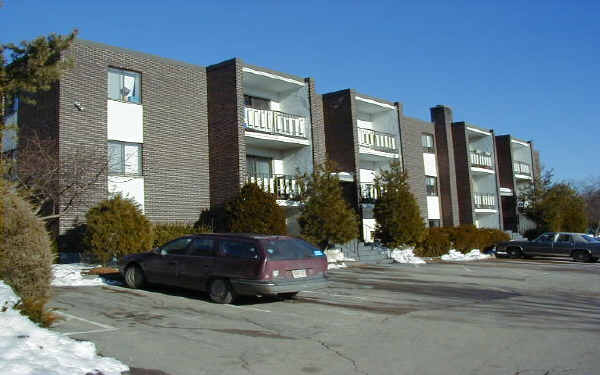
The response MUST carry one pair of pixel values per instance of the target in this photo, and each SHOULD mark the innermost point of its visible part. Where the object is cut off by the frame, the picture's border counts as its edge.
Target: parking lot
(488, 317)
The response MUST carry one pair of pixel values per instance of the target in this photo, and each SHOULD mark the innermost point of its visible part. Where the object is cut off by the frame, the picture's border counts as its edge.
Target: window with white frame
(431, 186)
(427, 141)
(124, 159)
(124, 85)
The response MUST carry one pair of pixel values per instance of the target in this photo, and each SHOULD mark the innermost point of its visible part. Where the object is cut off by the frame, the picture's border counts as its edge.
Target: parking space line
(104, 327)
(247, 308)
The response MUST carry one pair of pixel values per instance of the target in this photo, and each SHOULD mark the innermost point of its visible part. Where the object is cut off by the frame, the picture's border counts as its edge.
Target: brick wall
(318, 123)
(226, 134)
(412, 157)
(441, 117)
(463, 173)
(175, 150)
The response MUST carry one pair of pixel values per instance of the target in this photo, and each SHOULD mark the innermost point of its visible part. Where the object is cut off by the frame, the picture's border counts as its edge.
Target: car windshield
(290, 249)
(590, 238)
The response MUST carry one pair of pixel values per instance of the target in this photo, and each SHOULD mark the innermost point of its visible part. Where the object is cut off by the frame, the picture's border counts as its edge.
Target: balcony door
(259, 167)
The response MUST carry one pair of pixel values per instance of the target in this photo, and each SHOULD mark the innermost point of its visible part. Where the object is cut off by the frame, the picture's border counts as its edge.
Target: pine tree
(255, 211)
(396, 211)
(326, 217)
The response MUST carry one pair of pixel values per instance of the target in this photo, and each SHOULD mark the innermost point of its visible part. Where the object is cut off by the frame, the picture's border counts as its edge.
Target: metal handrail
(484, 200)
(520, 167)
(479, 159)
(377, 140)
(284, 187)
(275, 122)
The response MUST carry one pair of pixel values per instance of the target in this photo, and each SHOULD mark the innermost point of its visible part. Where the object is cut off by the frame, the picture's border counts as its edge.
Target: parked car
(581, 247)
(228, 265)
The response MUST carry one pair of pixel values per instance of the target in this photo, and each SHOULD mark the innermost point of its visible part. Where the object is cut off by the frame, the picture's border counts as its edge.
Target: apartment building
(469, 175)
(143, 117)
(362, 137)
(517, 169)
(265, 127)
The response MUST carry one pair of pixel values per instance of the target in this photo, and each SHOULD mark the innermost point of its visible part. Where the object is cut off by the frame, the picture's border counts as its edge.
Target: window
(431, 186)
(564, 238)
(290, 249)
(257, 103)
(259, 167)
(546, 237)
(124, 158)
(124, 85)
(427, 141)
(176, 247)
(203, 247)
(434, 223)
(239, 249)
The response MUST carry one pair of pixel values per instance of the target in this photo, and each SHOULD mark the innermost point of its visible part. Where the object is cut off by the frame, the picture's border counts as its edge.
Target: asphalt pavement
(487, 317)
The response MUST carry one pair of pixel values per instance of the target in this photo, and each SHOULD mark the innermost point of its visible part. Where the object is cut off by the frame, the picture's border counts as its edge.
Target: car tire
(220, 291)
(288, 295)
(514, 253)
(134, 277)
(582, 256)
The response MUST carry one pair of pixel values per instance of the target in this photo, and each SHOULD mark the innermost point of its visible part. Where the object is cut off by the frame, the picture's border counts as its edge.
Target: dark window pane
(289, 249)
(238, 249)
(177, 246)
(434, 223)
(202, 247)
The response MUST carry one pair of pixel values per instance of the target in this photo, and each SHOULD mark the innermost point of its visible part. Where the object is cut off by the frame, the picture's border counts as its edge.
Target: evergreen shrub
(25, 256)
(117, 227)
(254, 211)
(436, 242)
(165, 232)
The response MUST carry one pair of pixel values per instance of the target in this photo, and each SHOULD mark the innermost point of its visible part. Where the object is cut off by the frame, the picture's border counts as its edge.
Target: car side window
(239, 249)
(548, 237)
(564, 238)
(202, 247)
(176, 247)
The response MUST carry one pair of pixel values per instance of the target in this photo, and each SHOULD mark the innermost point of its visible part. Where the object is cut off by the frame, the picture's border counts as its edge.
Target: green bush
(25, 256)
(436, 242)
(396, 212)
(254, 211)
(326, 218)
(490, 237)
(117, 227)
(165, 232)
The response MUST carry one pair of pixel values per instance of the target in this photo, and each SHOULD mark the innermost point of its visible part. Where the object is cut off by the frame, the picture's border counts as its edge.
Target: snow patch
(406, 256)
(336, 266)
(26, 348)
(337, 255)
(455, 255)
(70, 275)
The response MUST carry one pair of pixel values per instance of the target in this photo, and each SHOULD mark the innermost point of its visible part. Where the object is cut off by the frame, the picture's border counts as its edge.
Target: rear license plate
(298, 273)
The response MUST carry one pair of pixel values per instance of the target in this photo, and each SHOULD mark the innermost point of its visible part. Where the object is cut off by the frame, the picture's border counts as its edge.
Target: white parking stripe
(104, 327)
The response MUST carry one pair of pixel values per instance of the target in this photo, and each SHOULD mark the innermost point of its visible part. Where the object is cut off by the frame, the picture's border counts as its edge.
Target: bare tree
(54, 184)
(590, 192)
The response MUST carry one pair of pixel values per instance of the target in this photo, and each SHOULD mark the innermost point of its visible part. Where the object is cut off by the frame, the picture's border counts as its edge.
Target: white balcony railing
(274, 122)
(481, 159)
(484, 200)
(368, 193)
(377, 140)
(282, 186)
(521, 168)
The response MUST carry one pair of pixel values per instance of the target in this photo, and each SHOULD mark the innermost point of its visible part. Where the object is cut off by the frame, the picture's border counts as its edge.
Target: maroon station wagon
(228, 265)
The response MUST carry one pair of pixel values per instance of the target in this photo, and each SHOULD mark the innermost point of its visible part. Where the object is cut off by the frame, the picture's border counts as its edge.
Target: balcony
(284, 187)
(368, 193)
(484, 201)
(377, 141)
(274, 122)
(481, 159)
(521, 168)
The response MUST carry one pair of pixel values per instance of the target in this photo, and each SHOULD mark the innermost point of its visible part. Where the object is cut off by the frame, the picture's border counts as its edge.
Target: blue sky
(531, 68)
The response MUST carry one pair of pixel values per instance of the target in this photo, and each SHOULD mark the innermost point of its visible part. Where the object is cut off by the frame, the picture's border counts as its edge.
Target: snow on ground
(336, 266)
(70, 275)
(337, 255)
(406, 256)
(455, 255)
(27, 349)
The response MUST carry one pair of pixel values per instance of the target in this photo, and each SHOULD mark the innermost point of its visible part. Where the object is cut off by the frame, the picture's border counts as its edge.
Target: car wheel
(514, 253)
(134, 277)
(581, 256)
(288, 295)
(220, 291)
